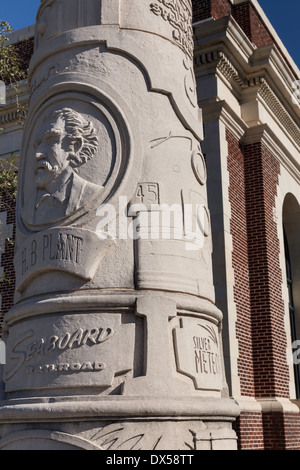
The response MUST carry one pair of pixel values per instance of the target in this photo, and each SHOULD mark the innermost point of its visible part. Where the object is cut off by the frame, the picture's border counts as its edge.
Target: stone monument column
(114, 341)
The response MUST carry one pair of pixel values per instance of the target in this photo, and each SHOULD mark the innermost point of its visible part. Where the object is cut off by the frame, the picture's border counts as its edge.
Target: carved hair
(78, 128)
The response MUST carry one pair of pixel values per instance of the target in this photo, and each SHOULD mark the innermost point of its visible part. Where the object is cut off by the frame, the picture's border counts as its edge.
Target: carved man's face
(52, 151)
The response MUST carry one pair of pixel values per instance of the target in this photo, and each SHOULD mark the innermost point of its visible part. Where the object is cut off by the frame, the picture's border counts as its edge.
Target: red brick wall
(251, 24)
(244, 14)
(281, 431)
(249, 430)
(260, 328)
(268, 431)
(203, 9)
(241, 14)
(238, 230)
(271, 371)
(220, 8)
(292, 431)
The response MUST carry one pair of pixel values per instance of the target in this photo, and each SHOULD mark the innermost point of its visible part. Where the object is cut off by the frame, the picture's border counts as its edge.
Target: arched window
(289, 279)
(291, 232)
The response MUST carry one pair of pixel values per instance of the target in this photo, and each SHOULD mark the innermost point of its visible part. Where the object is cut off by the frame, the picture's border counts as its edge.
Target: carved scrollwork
(179, 14)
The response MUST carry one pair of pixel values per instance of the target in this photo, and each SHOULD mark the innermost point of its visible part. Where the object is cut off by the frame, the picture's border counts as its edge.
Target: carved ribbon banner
(70, 250)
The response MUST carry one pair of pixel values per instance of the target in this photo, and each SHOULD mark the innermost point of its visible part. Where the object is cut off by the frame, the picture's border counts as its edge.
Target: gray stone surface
(114, 314)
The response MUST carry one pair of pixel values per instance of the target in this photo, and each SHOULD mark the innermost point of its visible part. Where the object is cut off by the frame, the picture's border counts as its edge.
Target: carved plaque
(198, 353)
(69, 350)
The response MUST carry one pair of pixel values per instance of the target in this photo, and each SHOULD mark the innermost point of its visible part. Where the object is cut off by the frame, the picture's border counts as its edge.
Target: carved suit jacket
(65, 201)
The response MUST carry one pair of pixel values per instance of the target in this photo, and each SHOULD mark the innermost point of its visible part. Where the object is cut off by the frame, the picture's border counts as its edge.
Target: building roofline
(259, 10)
(21, 34)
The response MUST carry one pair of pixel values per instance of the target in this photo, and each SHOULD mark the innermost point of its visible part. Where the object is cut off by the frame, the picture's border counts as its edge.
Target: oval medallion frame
(114, 180)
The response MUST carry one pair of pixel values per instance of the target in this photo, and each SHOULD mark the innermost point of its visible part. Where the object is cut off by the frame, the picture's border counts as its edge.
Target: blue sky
(19, 13)
(284, 15)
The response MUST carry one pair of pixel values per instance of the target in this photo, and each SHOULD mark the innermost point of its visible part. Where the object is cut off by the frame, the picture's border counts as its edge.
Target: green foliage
(10, 63)
(8, 179)
(11, 72)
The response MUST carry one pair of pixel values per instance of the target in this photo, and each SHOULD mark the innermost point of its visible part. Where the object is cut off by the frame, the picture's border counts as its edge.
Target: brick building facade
(246, 83)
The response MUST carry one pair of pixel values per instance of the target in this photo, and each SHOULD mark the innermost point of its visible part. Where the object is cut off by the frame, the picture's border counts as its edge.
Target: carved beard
(45, 173)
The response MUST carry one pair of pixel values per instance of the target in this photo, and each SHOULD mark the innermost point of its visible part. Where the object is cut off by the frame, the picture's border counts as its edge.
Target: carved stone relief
(198, 353)
(65, 250)
(199, 167)
(178, 13)
(72, 154)
(97, 340)
(127, 436)
(190, 82)
(69, 351)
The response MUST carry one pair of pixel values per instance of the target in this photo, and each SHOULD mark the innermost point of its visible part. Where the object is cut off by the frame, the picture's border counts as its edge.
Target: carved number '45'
(148, 193)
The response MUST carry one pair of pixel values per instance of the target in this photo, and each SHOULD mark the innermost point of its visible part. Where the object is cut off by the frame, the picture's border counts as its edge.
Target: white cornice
(224, 67)
(269, 58)
(273, 105)
(224, 30)
(247, 60)
(263, 133)
(219, 59)
(11, 115)
(262, 77)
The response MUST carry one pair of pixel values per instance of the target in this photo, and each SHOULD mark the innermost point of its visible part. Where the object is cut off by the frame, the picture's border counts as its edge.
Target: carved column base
(83, 425)
(130, 371)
